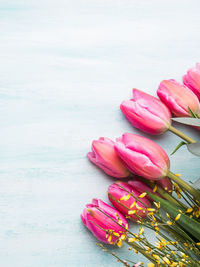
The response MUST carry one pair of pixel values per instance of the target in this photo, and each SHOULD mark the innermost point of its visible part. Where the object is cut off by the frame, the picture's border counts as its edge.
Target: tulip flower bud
(142, 156)
(141, 187)
(178, 98)
(165, 183)
(106, 223)
(192, 80)
(125, 202)
(105, 157)
(147, 113)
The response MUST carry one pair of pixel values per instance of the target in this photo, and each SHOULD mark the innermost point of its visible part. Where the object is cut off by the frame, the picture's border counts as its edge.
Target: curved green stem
(182, 135)
(195, 193)
(142, 251)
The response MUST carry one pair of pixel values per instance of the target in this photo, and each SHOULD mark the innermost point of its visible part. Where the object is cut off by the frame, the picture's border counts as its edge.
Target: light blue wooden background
(65, 67)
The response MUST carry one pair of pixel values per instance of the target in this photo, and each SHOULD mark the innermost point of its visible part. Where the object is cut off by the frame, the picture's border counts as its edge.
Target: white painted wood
(65, 68)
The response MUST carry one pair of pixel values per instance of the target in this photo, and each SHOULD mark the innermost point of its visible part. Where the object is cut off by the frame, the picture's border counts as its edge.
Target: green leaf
(192, 113)
(194, 148)
(178, 146)
(187, 223)
(188, 121)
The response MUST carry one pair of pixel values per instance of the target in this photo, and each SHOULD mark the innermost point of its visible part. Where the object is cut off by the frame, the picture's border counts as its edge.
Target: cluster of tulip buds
(132, 154)
(142, 161)
(153, 116)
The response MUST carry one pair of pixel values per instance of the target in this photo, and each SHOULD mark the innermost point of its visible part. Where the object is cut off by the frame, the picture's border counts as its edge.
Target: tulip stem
(182, 135)
(185, 185)
(168, 197)
(164, 193)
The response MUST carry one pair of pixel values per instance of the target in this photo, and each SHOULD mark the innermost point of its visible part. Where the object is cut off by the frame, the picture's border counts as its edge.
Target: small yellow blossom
(181, 264)
(125, 197)
(109, 238)
(154, 218)
(197, 213)
(183, 255)
(174, 264)
(157, 204)
(177, 217)
(178, 190)
(132, 212)
(138, 207)
(119, 243)
(142, 195)
(120, 221)
(116, 234)
(159, 245)
(166, 260)
(150, 209)
(155, 188)
(148, 250)
(133, 204)
(123, 236)
(162, 243)
(157, 258)
(141, 232)
(189, 210)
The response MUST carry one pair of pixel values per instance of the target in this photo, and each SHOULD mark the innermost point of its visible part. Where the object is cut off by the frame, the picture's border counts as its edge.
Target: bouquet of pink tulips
(153, 196)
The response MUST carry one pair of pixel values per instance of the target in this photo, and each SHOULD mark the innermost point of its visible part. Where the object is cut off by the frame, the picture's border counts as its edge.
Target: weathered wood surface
(65, 68)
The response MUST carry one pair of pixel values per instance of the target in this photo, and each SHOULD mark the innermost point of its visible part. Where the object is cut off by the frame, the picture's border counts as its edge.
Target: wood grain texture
(65, 68)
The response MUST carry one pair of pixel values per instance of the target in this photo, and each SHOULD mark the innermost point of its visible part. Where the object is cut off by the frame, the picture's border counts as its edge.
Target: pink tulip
(147, 113)
(192, 80)
(165, 183)
(142, 156)
(105, 157)
(178, 98)
(129, 205)
(141, 187)
(101, 224)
